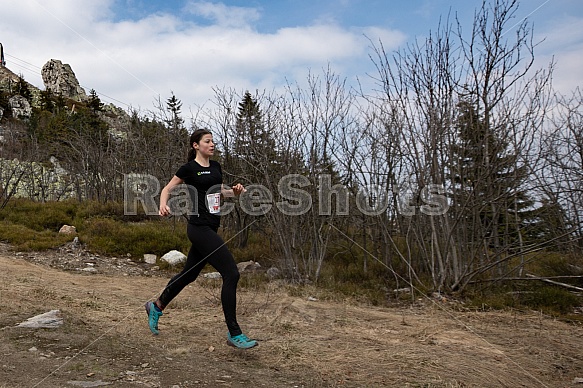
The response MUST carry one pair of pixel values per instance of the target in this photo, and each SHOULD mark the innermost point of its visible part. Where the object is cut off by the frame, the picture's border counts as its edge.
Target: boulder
(149, 258)
(174, 257)
(273, 273)
(68, 229)
(48, 320)
(248, 266)
(212, 275)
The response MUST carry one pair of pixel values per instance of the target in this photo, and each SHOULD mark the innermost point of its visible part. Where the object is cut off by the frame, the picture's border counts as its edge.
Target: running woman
(204, 178)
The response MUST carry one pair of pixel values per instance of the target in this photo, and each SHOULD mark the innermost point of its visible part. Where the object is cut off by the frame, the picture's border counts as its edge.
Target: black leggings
(208, 247)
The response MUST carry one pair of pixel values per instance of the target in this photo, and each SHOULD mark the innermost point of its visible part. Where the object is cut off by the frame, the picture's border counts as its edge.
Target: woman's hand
(165, 195)
(164, 210)
(238, 189)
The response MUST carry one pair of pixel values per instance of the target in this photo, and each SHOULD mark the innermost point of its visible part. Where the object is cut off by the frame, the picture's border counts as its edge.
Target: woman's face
(205, 146)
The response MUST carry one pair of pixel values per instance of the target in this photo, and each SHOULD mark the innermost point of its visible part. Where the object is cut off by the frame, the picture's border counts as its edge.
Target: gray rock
(59, 78)
(118, 121)
(20, 107)
(149, 258)
(48, 320)
(212, 275)
(68, 229)
(247, 266)
(273, 273)
(174, 257)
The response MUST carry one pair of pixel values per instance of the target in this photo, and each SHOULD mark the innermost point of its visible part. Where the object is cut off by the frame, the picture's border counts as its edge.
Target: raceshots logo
(291, 198)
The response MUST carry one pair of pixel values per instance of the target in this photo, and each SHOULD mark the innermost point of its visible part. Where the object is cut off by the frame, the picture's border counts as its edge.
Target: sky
(136, 52)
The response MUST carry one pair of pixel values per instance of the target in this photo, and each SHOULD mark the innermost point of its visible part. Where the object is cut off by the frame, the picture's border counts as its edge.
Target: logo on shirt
(203, 172)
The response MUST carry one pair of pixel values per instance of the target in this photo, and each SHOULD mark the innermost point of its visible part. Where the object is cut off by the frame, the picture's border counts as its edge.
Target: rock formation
(20, 107)
(59, 78)
(7, 78)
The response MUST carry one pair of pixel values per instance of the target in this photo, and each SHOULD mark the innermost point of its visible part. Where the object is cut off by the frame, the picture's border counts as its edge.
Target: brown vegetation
(305, 340)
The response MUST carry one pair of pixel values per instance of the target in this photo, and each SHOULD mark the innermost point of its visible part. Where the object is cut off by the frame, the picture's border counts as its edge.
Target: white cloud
(135, 61)
(559, 33)
(563, 44)
(225, 16)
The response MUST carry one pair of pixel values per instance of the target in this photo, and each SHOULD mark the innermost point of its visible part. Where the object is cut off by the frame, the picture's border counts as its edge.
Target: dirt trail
(105, 339)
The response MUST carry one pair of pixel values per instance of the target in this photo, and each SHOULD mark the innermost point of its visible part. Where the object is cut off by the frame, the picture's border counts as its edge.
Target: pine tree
(4, 105)
(22, 88)
(60, 103)
(486, 180)
(46, 101)
(175, 137)
(253, 142)
(174, 105)
(253, 157)
(94, 103)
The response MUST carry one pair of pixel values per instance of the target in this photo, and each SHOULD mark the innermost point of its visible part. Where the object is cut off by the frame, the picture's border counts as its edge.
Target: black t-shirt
(206, 196)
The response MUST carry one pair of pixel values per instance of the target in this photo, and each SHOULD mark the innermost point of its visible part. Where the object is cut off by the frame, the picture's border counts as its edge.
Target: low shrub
(39, 216)
(30, 225)
(111, 237)
(525, 295)
(24, 238)
(104, 229)
(551, 300)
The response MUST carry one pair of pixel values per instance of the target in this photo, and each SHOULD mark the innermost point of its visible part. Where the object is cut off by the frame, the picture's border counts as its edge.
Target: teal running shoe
(241, 341)
(154, 314)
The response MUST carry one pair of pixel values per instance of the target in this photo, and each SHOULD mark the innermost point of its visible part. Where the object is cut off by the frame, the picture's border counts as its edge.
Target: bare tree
(423, 91)
(561, 172)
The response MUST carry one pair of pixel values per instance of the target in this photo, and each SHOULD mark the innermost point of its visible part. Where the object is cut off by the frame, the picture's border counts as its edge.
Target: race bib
(213, 202)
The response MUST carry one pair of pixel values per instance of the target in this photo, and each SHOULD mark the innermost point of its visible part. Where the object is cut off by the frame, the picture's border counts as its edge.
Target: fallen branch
(553, 282)
(531, 277)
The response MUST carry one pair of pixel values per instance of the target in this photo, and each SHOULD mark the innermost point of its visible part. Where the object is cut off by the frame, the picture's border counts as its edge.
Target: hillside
(7, 76)
(304, 342)
(60, 80)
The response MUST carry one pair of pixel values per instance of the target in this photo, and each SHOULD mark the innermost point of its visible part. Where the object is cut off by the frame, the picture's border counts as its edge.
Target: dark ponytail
(195, 138)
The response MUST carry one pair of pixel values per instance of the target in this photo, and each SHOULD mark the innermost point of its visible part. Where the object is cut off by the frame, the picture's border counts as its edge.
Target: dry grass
(302, 343)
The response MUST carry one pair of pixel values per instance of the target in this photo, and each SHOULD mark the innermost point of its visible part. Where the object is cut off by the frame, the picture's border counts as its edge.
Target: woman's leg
(195, 262)
(212, 247)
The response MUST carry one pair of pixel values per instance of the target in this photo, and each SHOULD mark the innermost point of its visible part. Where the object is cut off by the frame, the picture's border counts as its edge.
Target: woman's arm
(233, 191)
(165, 195)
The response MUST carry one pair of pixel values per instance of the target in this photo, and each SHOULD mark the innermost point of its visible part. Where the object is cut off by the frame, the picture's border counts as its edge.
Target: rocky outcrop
(7, 79)
(20, 107)
(59, 78)
(8, 83)
(117, 120)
